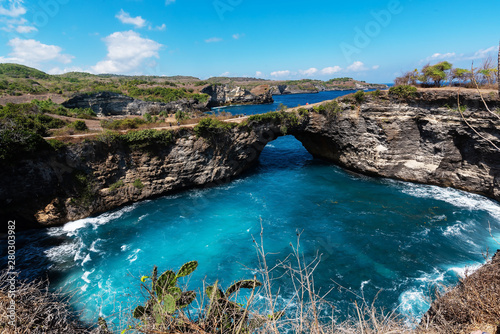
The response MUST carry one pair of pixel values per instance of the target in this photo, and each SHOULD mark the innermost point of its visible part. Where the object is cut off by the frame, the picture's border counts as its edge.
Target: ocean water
(377, 238)
(290, 101)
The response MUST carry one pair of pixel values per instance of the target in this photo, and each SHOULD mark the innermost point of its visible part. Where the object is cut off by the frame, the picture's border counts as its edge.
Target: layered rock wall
(223, 95)
(113, 104)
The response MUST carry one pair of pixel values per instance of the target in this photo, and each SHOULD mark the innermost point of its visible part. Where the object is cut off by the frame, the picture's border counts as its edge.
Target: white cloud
(357, 66)
(169, 2)
(32, 53)
(25, 29)
(163, 27)
(376, 67)
(258, 74)
(15, 9)
(331, 70)
(482, 54)
(125, 18)
(127, 52)
(309, 72)
(443, 56)
(225, 74)
(213, 40)
(19, 25)
(278, 74)
(238, 36)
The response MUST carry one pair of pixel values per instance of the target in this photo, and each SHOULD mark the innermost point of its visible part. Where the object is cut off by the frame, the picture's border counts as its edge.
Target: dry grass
(474, 302)
(37, 309)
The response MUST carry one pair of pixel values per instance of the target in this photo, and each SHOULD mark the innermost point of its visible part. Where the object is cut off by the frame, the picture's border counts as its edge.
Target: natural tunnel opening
(285, 152)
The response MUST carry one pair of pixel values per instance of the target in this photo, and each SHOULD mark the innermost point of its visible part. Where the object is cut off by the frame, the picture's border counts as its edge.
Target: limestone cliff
(222, 95)
(111, 104)
(421, 139)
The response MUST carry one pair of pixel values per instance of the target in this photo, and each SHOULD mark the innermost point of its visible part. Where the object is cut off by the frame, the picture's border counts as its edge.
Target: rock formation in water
(223, 95)
(113, 104)
(420, 139)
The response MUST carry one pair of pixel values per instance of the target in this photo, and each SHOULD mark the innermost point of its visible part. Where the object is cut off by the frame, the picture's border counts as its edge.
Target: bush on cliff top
(208, 127)
(139, 139)
(403, 91)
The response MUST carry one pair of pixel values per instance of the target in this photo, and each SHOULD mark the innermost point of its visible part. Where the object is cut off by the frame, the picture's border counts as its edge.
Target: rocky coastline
(422, 139)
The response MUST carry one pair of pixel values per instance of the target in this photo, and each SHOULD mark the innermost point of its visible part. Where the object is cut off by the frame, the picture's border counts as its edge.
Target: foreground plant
(165, 310)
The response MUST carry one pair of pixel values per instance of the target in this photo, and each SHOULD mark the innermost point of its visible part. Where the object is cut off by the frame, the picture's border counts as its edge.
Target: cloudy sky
(373, 40)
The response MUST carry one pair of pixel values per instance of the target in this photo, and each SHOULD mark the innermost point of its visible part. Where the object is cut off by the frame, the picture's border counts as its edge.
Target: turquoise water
(373, 235)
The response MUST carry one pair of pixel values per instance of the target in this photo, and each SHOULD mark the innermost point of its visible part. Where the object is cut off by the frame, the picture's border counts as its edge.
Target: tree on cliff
(436, 73)
(498, 71)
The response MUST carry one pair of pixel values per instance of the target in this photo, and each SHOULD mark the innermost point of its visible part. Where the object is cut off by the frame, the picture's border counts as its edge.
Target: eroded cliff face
(423, 139)
(112, 104)
(223, 95)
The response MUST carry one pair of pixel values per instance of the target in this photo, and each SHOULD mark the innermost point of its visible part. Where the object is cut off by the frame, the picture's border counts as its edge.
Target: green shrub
(303, 112)
(403, 91)
(116, 185)
(123, 124)
(147, 139)
(18, 143)
(148, 118)
(208, 127)
(79, 126)
(57, 144)
(359, 96)
(377, 93)
(138, 184)
(328, 108)
(181, 115)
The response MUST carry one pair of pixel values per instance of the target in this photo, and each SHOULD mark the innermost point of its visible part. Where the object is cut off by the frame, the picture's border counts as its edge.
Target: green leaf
(187, 268)
(175, 292)
(243, 284)
(169, 304)
(158, 313)
(165, 281)
(144, 278)
(210, 292)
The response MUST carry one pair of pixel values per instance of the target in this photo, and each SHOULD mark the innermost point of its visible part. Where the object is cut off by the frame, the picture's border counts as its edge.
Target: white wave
(86, 275)
(413, 303)
(363, 284)
(452, 196)
(142, 217)
(123, 248)
(87, 259)
(93, 246)
(133, 257)
(72, 227)
(79, 255)
(84, 287)
(62, 253)
(455, 230)
(468, 269)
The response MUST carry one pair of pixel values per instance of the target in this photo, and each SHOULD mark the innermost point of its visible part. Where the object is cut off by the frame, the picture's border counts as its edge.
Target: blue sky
(368, 40)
